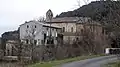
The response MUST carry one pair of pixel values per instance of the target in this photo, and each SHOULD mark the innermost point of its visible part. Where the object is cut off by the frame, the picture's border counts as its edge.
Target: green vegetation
(57, 62)
(114, 64)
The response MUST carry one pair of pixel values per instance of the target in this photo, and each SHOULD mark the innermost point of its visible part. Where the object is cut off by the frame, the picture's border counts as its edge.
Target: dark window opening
(35, 26)
(35, 42)
(44, 37)
(77, 39)
(27, 26)
(82, 31)
(102, 30)
(63, 29)
(72, 29)
(50, 41)
(27, 41)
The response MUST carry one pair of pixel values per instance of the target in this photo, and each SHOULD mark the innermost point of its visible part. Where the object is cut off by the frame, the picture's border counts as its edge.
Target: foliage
(97, 10)
(114, 64)
(57, 62)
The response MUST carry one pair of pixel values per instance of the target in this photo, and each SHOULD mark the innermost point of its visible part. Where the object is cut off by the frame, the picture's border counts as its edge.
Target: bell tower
(49, 15)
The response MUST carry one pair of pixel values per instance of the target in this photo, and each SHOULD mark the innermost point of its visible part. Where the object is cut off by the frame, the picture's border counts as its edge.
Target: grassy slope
(57, 62)
(115, 64)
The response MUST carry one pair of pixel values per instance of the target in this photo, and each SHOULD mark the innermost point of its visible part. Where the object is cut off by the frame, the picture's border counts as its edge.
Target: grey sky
(15, 12)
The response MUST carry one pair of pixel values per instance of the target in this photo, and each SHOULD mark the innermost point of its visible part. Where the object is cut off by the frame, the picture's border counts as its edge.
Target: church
(74, 28)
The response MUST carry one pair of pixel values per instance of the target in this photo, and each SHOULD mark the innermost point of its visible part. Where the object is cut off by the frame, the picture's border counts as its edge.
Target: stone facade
(73, 27)
(39, 32)
(11, 49)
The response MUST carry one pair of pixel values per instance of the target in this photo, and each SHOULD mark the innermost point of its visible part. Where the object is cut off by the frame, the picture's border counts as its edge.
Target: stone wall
(68, 26)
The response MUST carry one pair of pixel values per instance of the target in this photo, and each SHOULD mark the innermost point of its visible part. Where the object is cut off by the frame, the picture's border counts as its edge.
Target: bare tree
(86, 2)
(78, 3)
(27, 48)
(40, 19)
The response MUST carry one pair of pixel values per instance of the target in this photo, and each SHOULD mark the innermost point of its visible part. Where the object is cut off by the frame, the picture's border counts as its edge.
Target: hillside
(97, 10)
(11, 35)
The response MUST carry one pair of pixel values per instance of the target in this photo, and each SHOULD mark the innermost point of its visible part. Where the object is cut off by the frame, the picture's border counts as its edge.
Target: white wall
(24, 31)
(40, 30)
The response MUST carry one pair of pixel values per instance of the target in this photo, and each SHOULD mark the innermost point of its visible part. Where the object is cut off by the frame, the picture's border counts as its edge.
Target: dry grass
(114, 64)
(58, 62)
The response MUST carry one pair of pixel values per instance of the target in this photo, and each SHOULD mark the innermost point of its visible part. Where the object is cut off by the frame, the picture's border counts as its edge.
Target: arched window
(71, 29)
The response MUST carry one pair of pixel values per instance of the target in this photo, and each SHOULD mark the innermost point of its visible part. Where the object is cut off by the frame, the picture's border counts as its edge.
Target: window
(27, 41)
(47, 28)
(82, 31)
(27, 26)
(35, 26)
(63, 29)
(103, 31)
(77, 39)
(35, 42)
(72, 29)
(48, 42)
(52, 41)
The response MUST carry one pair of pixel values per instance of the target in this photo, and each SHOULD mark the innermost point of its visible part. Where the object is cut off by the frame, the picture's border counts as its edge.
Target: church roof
(70, 19)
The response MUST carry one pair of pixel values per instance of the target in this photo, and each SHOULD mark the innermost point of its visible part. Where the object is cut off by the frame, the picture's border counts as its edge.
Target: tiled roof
(69, 19)
(42, 23)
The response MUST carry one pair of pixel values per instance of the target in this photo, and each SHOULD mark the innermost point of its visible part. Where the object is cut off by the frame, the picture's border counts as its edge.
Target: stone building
(11, 48)
(39, 32)
(73, 27)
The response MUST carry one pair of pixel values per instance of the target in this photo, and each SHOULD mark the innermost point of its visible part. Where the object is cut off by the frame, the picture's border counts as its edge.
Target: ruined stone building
(73, 28)
(39, 32)
(11, 48)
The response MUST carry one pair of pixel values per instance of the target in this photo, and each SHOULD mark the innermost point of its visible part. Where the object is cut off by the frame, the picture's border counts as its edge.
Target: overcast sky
(16, 12)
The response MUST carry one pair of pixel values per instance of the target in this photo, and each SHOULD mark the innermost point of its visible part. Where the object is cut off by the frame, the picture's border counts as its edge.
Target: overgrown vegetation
(114, 64)
(58, 62)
